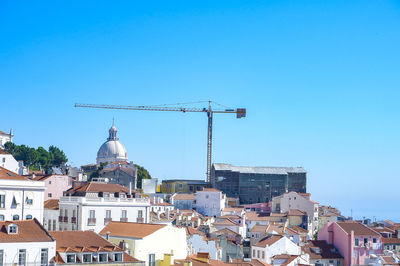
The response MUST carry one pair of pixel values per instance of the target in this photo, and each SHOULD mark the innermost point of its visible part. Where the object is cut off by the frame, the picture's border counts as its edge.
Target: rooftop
(358, 228)
(7, 174)
(97, 187)
(184, 196)
(258, 169)
(28, 231)
(268, 241)
(320, 249)
(134, 230)
(52, 204)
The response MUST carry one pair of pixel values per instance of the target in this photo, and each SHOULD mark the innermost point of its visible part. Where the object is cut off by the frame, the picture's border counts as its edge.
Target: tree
(44, 159)
(58, 156)
(142, 173)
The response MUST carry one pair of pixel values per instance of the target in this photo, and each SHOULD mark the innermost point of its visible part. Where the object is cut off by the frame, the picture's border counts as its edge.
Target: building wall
(4, 138)
(8, 161)
(50, 219)
(82, 207)
(20, 190)
(282, 246)
(210, 203)
(327, 262)
(33, 251)
(120, 177)
(184, 204)
(254, 188)
(158, 243)
(56, 185)
(198, 244)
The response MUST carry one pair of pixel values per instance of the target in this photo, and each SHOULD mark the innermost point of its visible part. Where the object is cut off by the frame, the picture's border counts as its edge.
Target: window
(92, 214)
(87, 258)
(73, 213)
(71, 258)
(54, 225)
(49, 225)
(4, 160)
(29, 217)
(207, 196)
(103, 257)
(254, 253)
(22, 257)
(1, 217)
(1, 257)
(29, 201)
(258, 254)
(2, 201)
(117, 256)
(49, 195)
(140, 214)
(356, 241)
(263, 254)
(44, 256)
(152, 259)
(108, 213)
(123, 214)
(365, 241)
(15, 217)
(373, 240)
(50, 182)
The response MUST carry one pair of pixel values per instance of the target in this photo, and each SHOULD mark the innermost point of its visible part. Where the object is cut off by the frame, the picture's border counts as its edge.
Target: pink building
(258, 207)
(55, 185)
(355, 241)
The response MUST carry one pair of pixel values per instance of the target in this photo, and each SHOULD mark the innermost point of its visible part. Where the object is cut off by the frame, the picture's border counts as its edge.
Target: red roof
(7, 174)
(358, 228)
(268, 241)
(28, 231)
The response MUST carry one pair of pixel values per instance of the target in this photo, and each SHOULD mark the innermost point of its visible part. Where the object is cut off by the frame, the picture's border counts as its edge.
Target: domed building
(112, 150)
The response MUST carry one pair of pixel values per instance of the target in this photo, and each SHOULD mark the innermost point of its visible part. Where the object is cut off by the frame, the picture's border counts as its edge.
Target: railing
(60, 218)
(99, 199)
(73, 220)
(91, 221)
(123, 220)
(65, 219)
(107, 220)
(139, 220)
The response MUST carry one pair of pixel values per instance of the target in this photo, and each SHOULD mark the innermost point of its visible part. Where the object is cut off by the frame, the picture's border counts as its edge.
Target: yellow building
(181, 186)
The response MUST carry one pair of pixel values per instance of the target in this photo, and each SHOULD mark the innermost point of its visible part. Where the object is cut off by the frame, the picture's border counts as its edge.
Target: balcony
(107, 220)
(123, 220)
(140, 220)
(65, 219)
(73, 220)
(60, 218)
(91, 221)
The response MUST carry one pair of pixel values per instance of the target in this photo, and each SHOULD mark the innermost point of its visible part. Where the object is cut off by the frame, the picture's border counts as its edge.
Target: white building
(94, 205)
(112, 150)
(25, 243)
(300, 201)
(184, 201)
(147, 242)
(210, 202)
(50, 215)
(4, 138)
(198, 242)
(20, 198)
(8, 161)
(273, 245)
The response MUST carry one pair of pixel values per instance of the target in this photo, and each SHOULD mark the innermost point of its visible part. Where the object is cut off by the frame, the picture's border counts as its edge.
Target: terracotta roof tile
(7, 174)
(184, 196)
(52, 204)
(208, 189)
(226, 222)
(136, 230)
(253, 216)
(296, 212)
(28, 231)
(320, 249)
(80, 241)
(358, 228)
(98, 187)
(269, 240)
(386, 240)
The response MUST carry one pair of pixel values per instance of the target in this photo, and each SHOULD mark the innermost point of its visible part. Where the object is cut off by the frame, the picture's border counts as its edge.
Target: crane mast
(240, 112)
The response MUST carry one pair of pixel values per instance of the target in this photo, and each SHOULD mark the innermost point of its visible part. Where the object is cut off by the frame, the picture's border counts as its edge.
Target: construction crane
(240, 112)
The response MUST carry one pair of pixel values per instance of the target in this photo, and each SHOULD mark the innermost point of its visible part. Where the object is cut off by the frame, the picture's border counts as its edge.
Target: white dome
(112, 150)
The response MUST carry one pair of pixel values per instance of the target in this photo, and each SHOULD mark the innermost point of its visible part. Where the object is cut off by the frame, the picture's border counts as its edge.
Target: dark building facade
(257, 184)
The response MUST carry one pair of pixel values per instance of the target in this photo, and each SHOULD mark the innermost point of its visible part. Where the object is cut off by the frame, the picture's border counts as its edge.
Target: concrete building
(257, 184)
(5, 137)
(301, 202)
(122, 174)
(20, 198)
(55, 185)
(210, 202)
(112, 150)
(355, 241)
(184, 201)
(198, 243)
(273, 245)
(94, 205)
(8, 162)
(25, 243)
(87, 247)
(147, 242)
(50, 215)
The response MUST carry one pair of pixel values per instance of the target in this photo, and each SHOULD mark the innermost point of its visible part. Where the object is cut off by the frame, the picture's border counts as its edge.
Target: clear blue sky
(320, 80)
